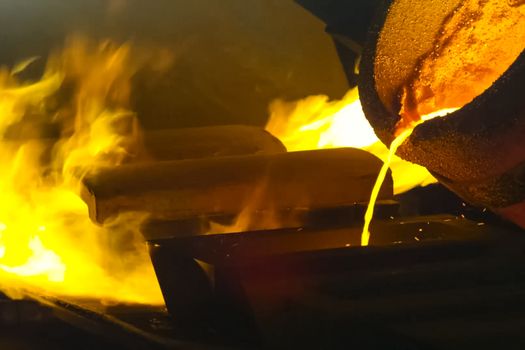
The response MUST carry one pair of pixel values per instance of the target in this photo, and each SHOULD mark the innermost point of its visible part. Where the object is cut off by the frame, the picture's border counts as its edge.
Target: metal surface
(343, 216)
(347, 22)
(351, 17)
(282, 288)
(191, 188)
(88, 323)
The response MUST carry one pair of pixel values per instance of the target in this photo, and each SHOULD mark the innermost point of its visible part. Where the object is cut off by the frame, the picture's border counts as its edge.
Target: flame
(318, 123)
(253, 219)
(459, 67)
(43, 262)
(47, 241)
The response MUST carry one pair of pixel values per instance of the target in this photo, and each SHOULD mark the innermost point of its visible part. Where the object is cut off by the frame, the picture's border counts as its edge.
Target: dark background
(233, 57)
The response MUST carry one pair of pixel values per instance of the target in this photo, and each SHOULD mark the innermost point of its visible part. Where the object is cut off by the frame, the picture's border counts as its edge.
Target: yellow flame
(318, 123)
(47, 241)
(43, 262)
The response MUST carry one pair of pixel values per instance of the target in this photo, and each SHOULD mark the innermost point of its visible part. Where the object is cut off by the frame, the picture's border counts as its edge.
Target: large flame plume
(47, 241)
(316, 122)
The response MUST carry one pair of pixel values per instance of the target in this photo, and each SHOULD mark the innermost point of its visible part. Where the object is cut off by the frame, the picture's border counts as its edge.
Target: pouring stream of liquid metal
(401, 136)
(365, 236)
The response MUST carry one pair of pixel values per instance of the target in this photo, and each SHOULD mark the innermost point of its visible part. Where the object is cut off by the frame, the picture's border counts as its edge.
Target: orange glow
(47, 242)
(475, 46)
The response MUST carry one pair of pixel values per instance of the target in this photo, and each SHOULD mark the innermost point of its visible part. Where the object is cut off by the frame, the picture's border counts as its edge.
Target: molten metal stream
(403, 133)
(476, 44)
(365, 236)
